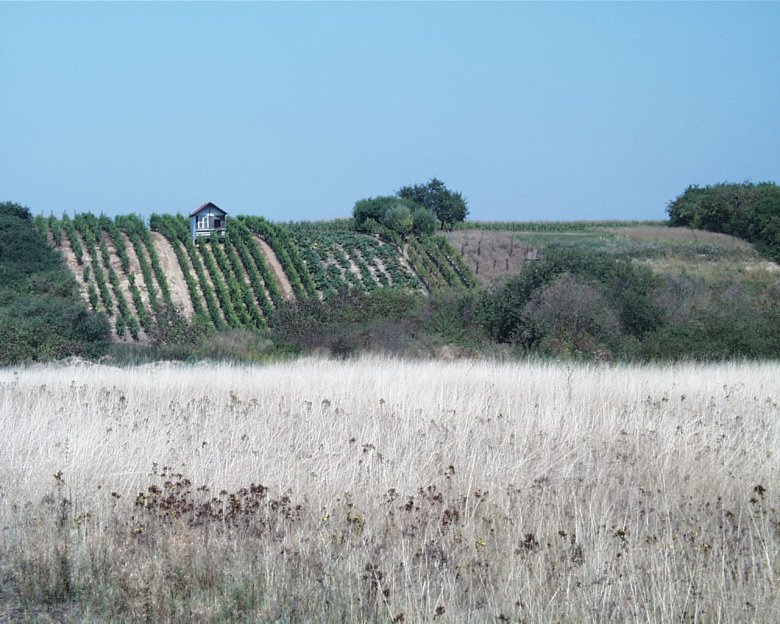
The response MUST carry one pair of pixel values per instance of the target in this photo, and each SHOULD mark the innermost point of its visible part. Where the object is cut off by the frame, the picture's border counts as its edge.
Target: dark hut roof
(206, 205)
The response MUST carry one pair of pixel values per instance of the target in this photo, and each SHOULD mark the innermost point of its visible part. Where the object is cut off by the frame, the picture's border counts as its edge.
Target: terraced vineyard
(132, 272)
(339, 259)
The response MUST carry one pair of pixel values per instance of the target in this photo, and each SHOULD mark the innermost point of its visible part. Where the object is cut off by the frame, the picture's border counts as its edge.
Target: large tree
(450, 207)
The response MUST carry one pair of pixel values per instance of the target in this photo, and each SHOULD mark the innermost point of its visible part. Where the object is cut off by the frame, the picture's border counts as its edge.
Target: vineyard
(132, 271)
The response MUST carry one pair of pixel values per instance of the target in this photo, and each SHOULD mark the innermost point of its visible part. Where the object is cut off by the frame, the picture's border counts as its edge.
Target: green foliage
(331, 256)
(302, 227)
(170, 328)
(221, 290)
(131, 225)
(450, 207)
(614, 286)
(350, 322)
(438, 264)
(280, 240)
(42, 316)
(393, 218)
(730, 316)
(86, 226)
(423, 222)
(73, 238)
(749, 211)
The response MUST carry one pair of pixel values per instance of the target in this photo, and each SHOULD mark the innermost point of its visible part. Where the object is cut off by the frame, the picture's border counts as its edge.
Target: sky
(295, 111)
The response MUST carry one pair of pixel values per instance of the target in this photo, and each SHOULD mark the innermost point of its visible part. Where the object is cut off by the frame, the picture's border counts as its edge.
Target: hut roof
(206, 205)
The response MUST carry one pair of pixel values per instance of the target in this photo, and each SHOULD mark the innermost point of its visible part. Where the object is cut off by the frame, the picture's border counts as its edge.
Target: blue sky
(297, 110)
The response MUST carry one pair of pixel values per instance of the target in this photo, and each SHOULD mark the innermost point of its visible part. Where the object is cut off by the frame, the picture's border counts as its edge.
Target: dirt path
(276, 269)
(173, 273)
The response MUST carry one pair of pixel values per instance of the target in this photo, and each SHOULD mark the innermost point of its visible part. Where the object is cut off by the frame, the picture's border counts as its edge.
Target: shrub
(626, 286)
(382, 215)
(571, 317)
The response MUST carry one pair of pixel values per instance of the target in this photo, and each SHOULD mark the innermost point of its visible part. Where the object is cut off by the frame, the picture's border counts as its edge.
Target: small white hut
(208, 220)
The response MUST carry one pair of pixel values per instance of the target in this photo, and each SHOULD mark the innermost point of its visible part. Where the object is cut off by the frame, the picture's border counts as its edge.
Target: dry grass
(390, 490)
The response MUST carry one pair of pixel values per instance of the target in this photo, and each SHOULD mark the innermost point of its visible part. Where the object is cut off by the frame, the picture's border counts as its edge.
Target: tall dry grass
(389, 490)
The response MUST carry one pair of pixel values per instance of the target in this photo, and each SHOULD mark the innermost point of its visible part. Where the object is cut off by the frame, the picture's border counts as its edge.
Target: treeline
(747, 210)
(42, 315)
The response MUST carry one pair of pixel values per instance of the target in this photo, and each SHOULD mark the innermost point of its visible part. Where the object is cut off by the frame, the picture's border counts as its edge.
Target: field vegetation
(380, 282)
(384, 490)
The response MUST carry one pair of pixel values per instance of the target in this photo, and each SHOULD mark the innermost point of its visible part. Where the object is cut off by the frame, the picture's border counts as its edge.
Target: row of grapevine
(235, 271)
(466, 276)
(286, 251)
(73, 238)
(120, 247)
(438, 264)
(130, 226)
(170, 227)
(339, 259)
(224, 283)
(88, 227)
(233, 276)
(239, 230)
(240, 238)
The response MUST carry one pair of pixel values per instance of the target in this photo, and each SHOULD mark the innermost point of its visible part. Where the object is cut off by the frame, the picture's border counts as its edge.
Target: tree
(450, 207)
(393, 217)
(423, 222)
(750, 211)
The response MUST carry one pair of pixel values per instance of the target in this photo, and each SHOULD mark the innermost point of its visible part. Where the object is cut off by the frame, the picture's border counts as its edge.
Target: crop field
(390, 491)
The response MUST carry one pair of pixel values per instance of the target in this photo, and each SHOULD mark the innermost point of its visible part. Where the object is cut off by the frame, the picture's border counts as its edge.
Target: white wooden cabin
(207, 220)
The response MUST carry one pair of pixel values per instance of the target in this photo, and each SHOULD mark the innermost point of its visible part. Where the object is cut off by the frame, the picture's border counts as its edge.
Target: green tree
(450, 207)
(750, 211)
(388, 216)
(423, 222)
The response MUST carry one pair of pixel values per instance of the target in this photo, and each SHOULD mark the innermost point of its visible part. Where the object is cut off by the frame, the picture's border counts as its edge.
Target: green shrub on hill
(42, 316)
(583, 293)
(394, 218)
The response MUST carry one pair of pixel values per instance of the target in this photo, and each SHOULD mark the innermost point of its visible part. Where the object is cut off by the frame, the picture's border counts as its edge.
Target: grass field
(389, 490)
(495, 254)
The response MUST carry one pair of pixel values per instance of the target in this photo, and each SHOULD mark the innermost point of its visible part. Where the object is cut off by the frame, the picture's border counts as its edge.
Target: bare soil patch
(173, 273)
(276, 269)
(492, 255)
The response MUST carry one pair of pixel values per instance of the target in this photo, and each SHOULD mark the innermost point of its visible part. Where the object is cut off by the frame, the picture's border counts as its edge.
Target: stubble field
(390, 490)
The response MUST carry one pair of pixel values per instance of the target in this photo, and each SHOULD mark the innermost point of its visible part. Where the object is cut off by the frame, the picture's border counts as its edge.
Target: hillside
(131, 271)
(41, 315)
(593, 290)
(496, 251)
